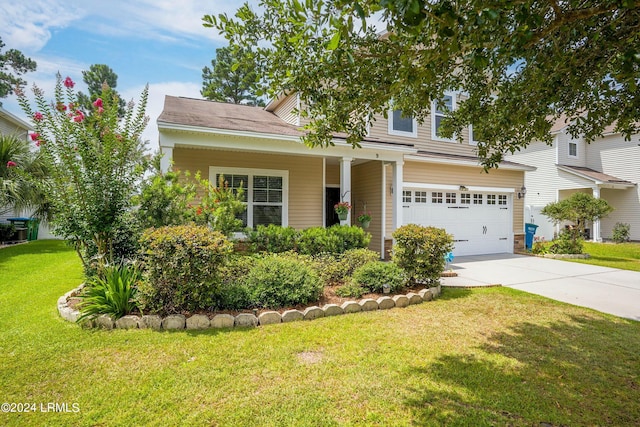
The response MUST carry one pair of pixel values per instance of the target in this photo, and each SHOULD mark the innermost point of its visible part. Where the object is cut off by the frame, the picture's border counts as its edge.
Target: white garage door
(480, 222)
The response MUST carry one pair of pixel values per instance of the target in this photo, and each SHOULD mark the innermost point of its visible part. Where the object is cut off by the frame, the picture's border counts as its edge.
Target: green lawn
(616, 255)
(484, 357)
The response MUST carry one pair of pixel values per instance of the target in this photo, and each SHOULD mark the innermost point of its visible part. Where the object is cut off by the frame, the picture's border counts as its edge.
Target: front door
(332, 197)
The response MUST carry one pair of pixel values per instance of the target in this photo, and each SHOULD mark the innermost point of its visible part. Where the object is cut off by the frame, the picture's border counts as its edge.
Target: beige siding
(286, 110)
(332, 175)
(305, 177)
(366, 180)
(9, 128)
(470, 176)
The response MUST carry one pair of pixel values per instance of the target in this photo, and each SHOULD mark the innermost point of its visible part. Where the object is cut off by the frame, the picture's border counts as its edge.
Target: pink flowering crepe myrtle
(68, 83)
(11, 164)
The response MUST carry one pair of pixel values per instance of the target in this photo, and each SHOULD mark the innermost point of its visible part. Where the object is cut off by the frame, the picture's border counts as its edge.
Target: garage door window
(465, 199)
(502, 199)
(477, 199)
(406, 196)
(420, 197)
(450, 198)
(436, 197)
(491, 199)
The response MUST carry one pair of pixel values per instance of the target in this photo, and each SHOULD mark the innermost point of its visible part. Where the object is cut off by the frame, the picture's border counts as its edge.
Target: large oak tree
(522, 64)
(13, 64)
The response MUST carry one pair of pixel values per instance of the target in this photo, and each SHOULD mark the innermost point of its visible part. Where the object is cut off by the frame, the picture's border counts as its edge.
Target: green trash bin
(32, 229)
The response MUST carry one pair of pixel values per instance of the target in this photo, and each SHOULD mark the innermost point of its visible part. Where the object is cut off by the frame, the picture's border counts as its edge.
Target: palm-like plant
(23, 177)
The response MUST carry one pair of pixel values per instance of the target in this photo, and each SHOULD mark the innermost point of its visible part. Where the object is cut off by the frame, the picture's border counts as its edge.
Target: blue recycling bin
(530, 231)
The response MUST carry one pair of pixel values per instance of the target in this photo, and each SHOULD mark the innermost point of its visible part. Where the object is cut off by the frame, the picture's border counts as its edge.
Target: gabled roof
(12, 118)
(220, 115)
(597, 177)
(433, 157)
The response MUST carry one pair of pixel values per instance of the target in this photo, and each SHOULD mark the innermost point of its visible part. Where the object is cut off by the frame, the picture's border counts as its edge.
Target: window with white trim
(472, 137)
(450, 198)
(406, 196)
(491, 199)
(438, 113)
(436, 197)
(265, 193)
(502, 199)
(420, 197)
(573, 149)
(477, 199)
(402, 125)
(465, 198)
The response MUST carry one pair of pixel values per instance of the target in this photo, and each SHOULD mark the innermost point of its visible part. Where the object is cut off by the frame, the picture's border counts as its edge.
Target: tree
(95, 77)
(522, 65)
(577, 208)
(13, 60)
(97, 163)
(232, 78)
(23, 177)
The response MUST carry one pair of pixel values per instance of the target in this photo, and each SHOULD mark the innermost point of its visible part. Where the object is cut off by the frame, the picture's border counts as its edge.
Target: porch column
(396, 186)
(166, 159)
(596, 224)
(345, 184)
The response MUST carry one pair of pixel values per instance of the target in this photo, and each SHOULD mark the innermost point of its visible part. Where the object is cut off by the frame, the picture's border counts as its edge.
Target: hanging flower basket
(365, 224)
(342, 216)
(364, 219)
(342, 209)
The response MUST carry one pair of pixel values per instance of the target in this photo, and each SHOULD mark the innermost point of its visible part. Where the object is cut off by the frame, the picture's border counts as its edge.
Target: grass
(492, 356)
(625, 256)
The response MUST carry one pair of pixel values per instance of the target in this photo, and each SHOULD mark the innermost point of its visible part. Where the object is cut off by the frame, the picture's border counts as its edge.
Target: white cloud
(155, 103)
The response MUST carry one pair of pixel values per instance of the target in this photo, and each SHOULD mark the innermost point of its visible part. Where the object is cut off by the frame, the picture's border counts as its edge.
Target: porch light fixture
(463, 188)
(522, 192)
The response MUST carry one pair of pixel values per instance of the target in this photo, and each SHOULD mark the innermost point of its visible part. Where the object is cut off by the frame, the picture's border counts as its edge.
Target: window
(420, 196)
(265, 194)
(450, 198)
(573, 149)
(502, 199)
(402, 125)
(438, 113)
(465, 198)
(436, 197)
(477, 199)
(472, 137)
(406, 197)
(491, 199)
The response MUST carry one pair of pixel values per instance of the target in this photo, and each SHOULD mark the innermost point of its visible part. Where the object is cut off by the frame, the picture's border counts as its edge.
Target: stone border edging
(201, 321)
(566, 256)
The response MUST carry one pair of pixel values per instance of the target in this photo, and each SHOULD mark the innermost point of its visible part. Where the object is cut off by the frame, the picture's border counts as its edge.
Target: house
(607, 168)
(403, 173)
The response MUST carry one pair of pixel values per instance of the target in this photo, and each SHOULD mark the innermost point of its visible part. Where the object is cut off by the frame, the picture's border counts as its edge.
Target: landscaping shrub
(113, 292)
(374, 275)
(279, 281)
(6, 232)
(273, 238)
(350, 237)
(420, 251)
(351, 290)
(183, 268)
(567, 242)
(317, 240)
(337, 269)
(620, 232)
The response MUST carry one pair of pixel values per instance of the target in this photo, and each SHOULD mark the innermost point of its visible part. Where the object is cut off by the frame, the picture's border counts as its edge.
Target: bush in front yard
(374, 275)
(183, 267)
(335, 269)
(621, 232)
(420, 251)
(350, 237)
(273, 238)
(277, 281)
(318, 240)
(567, 242)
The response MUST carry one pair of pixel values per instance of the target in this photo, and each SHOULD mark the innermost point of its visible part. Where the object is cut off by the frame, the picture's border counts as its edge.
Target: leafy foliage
(334, 240)
(23, 177)
(568, 242)
(273, 238)
(97, 162)
(113, 292)
(95, 77)
(339, 268)
(183, 267)
(374, 275)
(351, 237)
(277, 281)
(13, 64)
(6, 232)
(621, 232)
(232, 78)
(523, 64)
(421, 251)
(577, 208)
(219, 205)
(351, 289)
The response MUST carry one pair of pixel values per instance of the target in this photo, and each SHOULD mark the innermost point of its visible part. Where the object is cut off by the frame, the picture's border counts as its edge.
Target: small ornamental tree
(97, 162)
(577, 208)
(219, 206)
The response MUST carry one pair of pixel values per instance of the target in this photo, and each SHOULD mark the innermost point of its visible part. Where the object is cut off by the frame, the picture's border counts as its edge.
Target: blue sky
(160, 42)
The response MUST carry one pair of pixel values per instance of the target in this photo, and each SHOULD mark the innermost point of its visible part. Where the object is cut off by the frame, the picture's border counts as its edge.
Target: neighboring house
(404, 173)
(608, 168)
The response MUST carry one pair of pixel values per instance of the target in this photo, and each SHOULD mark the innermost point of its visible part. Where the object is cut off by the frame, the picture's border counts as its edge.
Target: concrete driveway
(604, 289)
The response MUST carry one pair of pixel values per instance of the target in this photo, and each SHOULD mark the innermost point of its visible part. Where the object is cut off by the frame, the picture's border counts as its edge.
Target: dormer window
(402, 125)
(438, 113)
(573, 149)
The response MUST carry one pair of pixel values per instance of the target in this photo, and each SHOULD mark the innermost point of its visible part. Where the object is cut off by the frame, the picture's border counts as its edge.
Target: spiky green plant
(113, 292)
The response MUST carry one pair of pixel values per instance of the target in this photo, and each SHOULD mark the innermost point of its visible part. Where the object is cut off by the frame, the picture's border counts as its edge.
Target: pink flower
(11, 164)
(34, 136)
(78, 117)
(68, 83)
(100, 110)
(38, 143)
(37, 116)
(98, 103)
